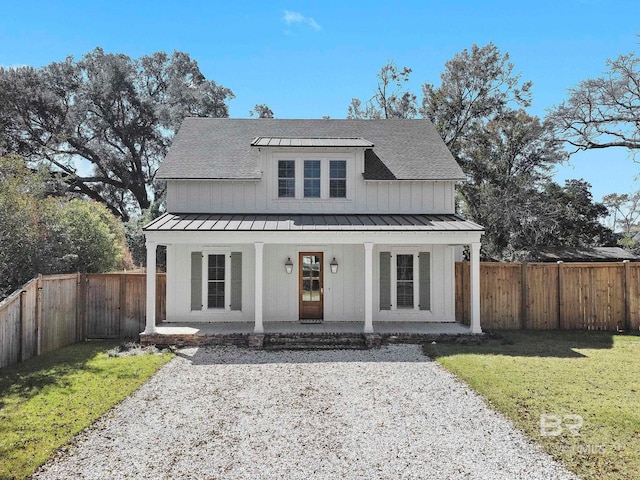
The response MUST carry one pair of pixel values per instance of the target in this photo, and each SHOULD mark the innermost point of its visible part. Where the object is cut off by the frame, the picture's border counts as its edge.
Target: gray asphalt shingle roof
(221, 148)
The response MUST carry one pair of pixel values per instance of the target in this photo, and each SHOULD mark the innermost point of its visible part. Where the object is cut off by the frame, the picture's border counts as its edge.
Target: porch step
(316, 341)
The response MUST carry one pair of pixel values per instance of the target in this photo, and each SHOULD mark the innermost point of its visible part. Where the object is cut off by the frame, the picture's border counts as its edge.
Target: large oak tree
(105, 121)
(603, 112)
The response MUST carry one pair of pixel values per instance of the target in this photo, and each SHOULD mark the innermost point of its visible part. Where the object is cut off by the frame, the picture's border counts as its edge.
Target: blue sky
(308, 59)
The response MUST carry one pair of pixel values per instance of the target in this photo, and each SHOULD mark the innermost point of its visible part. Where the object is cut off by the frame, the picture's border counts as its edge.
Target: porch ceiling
(193, 222)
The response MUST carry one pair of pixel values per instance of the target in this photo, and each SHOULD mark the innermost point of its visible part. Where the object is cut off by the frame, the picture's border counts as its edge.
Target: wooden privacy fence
(53, 311)
(565, 296)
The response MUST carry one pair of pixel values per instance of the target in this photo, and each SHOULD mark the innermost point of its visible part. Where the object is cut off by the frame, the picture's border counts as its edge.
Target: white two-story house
(273, 220)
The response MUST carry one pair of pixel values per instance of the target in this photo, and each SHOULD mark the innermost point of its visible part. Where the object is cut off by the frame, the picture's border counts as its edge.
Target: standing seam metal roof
(190, 222)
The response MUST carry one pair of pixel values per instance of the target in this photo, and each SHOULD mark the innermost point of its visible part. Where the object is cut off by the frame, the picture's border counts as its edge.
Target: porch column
(151, 288)
(475, 288)
(368, 287)
(258, 328)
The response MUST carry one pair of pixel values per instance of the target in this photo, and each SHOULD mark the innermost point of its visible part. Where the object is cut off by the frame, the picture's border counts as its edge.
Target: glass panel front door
(311, 285)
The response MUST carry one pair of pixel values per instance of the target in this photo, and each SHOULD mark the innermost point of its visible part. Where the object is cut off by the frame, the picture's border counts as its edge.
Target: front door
(311, 285)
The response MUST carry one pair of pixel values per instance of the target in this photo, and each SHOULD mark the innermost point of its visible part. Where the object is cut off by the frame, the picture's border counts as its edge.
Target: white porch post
(151, 288)
(258, 328)
(368, 287)
(475, 288)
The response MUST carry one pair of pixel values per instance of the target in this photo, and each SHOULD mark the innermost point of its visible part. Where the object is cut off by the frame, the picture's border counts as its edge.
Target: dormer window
(337, 179)
(287, 179)
(312, 178)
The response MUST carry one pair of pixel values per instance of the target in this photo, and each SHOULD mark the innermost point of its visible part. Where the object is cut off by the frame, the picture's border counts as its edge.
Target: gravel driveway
(237, 413)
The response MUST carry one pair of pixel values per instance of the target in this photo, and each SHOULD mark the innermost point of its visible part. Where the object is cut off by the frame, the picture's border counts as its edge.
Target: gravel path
(246, 414)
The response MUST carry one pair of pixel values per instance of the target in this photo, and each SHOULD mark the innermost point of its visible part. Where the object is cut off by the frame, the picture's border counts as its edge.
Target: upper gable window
(286, 178)
(312, 178)
(337, 179)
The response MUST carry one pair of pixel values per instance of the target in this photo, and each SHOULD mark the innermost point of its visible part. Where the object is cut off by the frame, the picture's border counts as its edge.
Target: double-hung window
(286, 178)
(405, 280)
(312, 178)
(337, 179)
(216, 281)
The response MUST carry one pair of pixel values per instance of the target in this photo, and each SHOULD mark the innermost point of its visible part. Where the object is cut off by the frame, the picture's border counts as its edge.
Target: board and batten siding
(261, 196)
(343, 291)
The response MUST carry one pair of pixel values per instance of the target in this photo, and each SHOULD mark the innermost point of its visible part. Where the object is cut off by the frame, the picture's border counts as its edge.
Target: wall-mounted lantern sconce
(334, 265)
(288, 266)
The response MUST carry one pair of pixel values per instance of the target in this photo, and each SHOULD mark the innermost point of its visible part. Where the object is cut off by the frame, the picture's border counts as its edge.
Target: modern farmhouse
(273, 220)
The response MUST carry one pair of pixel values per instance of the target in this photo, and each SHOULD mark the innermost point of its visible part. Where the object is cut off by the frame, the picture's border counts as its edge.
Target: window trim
(295, 179)
(345, 178)
(394, 252)
(325, 158)
(305, 178)
(205, 278)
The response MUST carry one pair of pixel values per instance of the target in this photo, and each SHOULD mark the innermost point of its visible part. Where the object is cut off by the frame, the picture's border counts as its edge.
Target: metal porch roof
(191, 222)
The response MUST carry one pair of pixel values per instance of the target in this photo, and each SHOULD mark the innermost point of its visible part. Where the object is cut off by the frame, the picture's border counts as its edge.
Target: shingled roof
(220, 148)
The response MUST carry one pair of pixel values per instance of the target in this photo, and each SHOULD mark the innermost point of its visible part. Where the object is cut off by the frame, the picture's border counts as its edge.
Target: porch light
(334, 265)
(288, 265)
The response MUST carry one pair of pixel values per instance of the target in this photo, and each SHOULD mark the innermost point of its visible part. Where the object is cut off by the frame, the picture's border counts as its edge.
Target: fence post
(22, 327)
(524, 296)
(627, 296)
(560, 297)
(39, 309)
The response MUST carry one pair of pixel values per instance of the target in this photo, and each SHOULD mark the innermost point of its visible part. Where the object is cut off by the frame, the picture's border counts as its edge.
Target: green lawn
(594, 377)
(47, 400)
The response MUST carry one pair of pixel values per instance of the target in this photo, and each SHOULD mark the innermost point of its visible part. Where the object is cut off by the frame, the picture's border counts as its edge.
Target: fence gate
(103, 306)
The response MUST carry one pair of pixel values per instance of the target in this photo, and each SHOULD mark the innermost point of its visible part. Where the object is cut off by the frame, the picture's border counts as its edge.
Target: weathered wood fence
(53, 311)
(565, 296)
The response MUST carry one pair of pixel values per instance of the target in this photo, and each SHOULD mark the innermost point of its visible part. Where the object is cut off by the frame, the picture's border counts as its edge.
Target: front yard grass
(46, 400)
(593, 375)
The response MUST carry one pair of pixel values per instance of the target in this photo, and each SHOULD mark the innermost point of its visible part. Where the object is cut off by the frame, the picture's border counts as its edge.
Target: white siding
(442, 286)
(250, 197)
(343, 292)
(408, 196)
(179, 286)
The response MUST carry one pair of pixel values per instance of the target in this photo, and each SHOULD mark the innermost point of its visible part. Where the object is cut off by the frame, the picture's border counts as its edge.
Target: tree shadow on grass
(539, 343)
(26, 379)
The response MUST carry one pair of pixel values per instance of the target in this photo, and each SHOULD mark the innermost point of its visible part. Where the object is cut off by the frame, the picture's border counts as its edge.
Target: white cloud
(296, 17)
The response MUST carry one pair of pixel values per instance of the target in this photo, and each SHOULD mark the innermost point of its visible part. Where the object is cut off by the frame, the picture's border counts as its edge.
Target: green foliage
(508, 155)
(109, 111)
(44, 234)
(46, 400)
(136, 239)
(475, 87)
(591, 374)
(84, 236)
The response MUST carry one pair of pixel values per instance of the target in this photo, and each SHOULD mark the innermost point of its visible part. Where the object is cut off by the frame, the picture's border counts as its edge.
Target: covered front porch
(362, 296)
